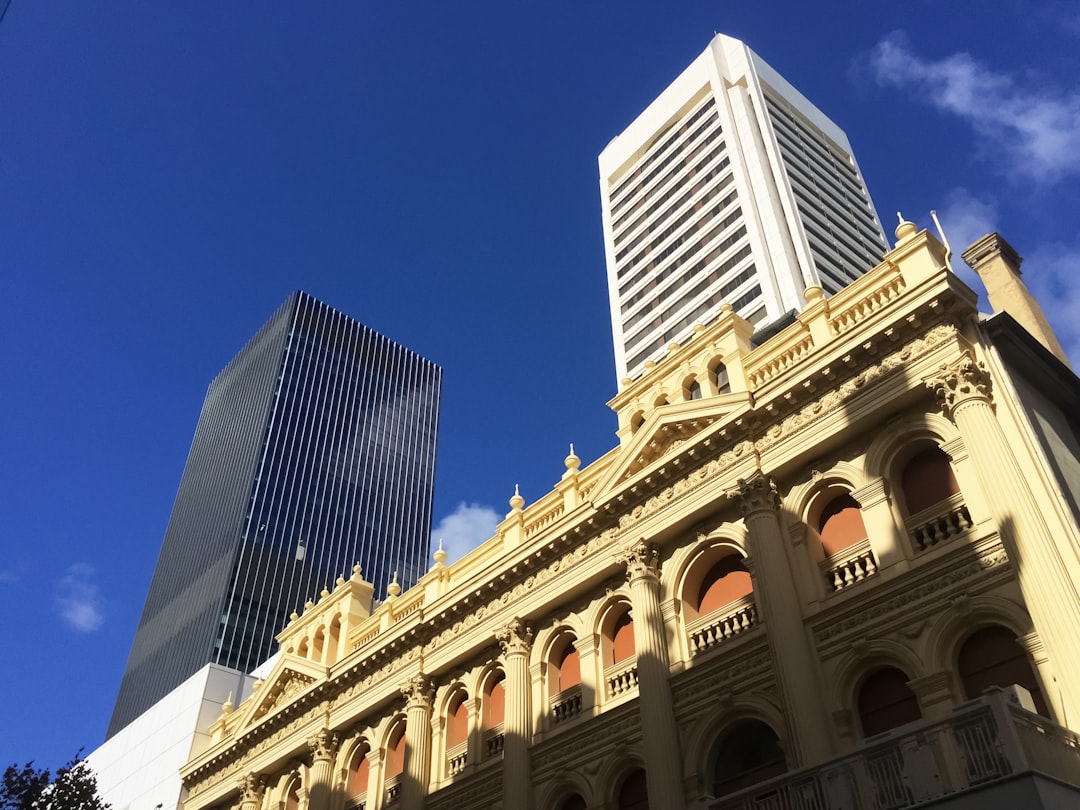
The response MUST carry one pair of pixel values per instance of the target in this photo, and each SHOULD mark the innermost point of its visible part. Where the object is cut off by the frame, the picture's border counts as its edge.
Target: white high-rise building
(729, 187)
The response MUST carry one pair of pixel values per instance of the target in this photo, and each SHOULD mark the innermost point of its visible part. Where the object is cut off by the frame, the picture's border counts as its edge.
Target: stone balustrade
(621, 678)
(849, 567)
(732, 619)
(940, 523)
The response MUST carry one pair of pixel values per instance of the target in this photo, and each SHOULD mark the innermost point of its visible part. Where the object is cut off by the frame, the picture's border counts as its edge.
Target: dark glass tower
(315, 450)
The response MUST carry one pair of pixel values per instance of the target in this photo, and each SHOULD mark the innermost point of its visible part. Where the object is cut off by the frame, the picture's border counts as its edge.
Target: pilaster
(516, 641)
(418, 694)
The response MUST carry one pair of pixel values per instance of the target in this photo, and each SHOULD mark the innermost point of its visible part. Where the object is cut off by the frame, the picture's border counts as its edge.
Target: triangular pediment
(665, 430)
(290, 676)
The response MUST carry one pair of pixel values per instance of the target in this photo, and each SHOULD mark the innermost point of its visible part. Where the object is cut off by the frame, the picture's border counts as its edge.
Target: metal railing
(983, 740)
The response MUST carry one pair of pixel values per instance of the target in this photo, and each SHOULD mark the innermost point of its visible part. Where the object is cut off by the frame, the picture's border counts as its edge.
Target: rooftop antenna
(944, 240)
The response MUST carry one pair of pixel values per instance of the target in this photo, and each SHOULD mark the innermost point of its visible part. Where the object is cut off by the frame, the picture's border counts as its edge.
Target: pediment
(290, 676)
(665, 430)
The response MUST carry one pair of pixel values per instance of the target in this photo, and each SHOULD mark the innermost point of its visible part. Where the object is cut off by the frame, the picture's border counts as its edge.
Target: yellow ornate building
(796, 582)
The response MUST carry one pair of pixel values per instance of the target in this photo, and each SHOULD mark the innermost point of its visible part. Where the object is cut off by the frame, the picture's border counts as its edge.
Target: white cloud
(1030, 125)
(78, 598)
(469, 525)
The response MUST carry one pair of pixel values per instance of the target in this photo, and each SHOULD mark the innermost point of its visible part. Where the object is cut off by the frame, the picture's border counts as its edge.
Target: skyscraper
(729, 187)
(315, 450)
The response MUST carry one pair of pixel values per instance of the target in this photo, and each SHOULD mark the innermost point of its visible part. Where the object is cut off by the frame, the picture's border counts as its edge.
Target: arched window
(746, 753)
(993, 657)
(886, 701)
(457, 720)
(395, 752)
(927, 479)
(718, 376)
(574, 802)
(725, 582)
(692, 389)
(660, 401)
(636, 421)
(565, 666)
(633, 792)
(494, 702)
(840, 525)
(334, 641)
(357, 782)
(317, 647)
(622, 638)
(292, 795)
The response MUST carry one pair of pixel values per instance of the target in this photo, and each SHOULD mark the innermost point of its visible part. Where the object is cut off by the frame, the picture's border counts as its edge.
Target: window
(357, 781)
(622, 639)
(840, 525)
(993, 657)
(725, 582)
(457, 720)
(746, 753)
(633, 792)
(886, 701)
(565, 666)
(927, 479)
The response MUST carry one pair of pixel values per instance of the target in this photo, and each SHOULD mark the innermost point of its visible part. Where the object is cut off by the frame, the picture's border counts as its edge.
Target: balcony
(566, 704)
(457, 757)
(493, 741)
(985, 741)
(849, 567)
(724, 623)
(940, 523)
(621, 678)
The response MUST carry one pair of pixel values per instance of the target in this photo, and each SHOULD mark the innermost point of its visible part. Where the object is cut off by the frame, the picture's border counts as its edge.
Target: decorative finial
(308, 605)
(356, 572)
(393, 590)
(572, 462)
(439, 555)
(517, 502)
(323, 594)
(294, 616)
(813, 294)
(339, 581)
(905, 229)
(227, 706)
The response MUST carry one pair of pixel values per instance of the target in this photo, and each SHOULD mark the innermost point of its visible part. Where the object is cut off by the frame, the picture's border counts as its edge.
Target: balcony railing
(493, 741)
(983, 740)
(457, 757)
(393, 789)
(566, 704)
(850, 566)
(941, 522)
(720, 625)
(621, 678)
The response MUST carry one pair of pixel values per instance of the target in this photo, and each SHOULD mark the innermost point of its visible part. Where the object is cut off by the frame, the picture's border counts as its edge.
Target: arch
(879, 653)
(632, 791)
(839, 524)
(692, 389)
(302, 650)
(622, 639)
(637, 420)
(395, 750)
(357, 770)
(681, 572)
(291, 793)
(806, 499)
(746, 752)
(926, 479)
(612, 619)
(884, 701)
(718, 376)
(573, 802)
(725, 581)
(564, 664)
(494, 702)
(334, 640)
(457, 718)
(567, 785)
(702, 736)
(660, 401)
(967, 615)
(891, 448)
(991, 656)
(318, 645)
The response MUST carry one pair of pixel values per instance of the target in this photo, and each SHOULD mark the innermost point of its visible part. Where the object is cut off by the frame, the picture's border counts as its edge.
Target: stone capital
(515, 637)
(756, 494)
(641, 560)
(418, 692)
(962, 382)
(252, 786)
(323, 745)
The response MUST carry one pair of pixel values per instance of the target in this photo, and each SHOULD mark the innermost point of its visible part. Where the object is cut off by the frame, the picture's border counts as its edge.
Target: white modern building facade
(729, 187)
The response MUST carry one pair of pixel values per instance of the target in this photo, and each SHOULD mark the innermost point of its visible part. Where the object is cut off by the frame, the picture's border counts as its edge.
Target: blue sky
(170, 172)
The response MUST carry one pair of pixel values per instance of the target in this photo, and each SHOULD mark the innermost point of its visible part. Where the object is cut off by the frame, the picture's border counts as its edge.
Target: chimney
(998, 265)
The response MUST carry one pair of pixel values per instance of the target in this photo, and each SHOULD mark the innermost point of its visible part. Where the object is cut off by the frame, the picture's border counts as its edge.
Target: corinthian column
(516, 640)
(322, 746)
(1046, 577)
(663, 758)
(418, 694)
(252, 788)
(794, 663)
